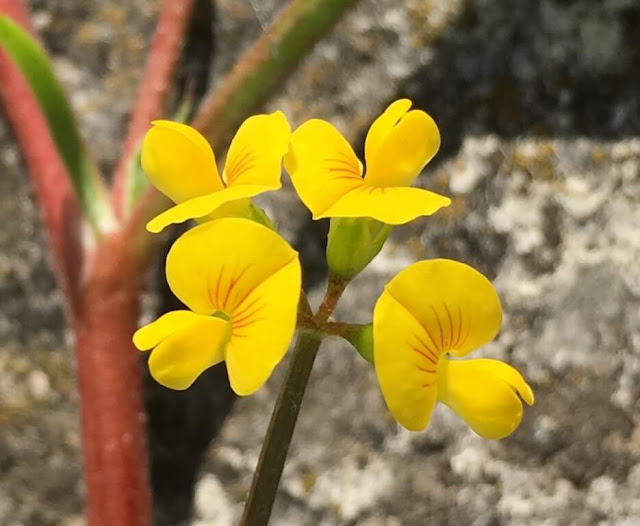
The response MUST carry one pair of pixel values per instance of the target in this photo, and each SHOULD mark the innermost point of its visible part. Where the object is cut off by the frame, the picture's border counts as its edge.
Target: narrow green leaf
(37, 70)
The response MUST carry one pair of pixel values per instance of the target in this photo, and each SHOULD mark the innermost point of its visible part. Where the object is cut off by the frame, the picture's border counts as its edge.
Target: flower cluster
(241, 281)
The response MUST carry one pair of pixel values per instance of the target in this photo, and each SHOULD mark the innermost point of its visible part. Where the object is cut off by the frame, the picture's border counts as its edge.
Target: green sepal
(361, 337)
(258, 215)
(34, 64)
(353, 243)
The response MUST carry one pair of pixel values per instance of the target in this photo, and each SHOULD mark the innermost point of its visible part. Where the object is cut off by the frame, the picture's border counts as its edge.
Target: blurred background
(538, 103)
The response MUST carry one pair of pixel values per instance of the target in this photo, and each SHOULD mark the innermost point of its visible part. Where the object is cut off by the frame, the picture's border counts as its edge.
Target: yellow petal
(508, 374)
(216, 265)
(456, 305)
(379, 130)
(483, 394)
(405, 362)
(255, 154)
(263, 325)
(185, 354)
(205, 205)
(179, 161)
(149, 336)
(322, 165)
(405, 151)
(393, 206)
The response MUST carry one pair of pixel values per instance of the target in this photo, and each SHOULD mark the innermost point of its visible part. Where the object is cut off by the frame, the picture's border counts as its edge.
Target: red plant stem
(161, 62)
(58, 205)
(103, 303)
(17, 11)
(113, 418)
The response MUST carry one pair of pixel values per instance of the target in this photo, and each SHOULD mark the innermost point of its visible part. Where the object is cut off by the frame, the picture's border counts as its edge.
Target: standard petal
(322, 165)
(184, 355)
(216, 265)
(393, 206)
(150, 335)
(256, 152)
(203, 206)
(404, 152)
(179, 162)
(262, 327)
(484, 393)
(456, 305)
(381, 127)
(405, 362)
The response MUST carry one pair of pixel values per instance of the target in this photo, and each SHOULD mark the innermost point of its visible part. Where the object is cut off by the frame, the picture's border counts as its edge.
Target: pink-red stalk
(102, 287)
(161, 63)
(58, 205)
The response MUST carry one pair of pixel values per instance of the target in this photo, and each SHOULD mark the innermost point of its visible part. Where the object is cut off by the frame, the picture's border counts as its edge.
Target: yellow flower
(328, 176)
(180, 163)
(432, 309)
(241, 282)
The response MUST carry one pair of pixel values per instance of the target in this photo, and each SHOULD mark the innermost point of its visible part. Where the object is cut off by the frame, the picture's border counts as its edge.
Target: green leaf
(36, 68)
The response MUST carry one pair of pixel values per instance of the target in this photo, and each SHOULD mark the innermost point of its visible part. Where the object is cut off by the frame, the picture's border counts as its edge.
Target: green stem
(283, 421)
(285, 414)
(265, 64)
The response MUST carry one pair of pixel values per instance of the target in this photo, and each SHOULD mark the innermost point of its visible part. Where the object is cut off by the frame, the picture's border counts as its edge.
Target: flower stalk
(278, 438)
(285, 413)
(101, 279)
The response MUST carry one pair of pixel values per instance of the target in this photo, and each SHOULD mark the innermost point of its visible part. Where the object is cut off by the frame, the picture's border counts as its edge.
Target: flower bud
(353, 243)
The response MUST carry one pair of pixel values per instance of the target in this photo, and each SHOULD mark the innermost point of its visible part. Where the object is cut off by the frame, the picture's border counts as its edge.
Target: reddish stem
(161, 62)
(113, 419)
(103, 305)
(58, 205)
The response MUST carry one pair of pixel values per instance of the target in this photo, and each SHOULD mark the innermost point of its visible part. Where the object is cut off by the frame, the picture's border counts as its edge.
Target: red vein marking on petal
(466, 333)
(426, 356)
(241, 166)
(435, 313)
(346, 178)
(426, 370)
(344, 162)
(248, 321)
(238, 335)
(450, 323)
(248, 315)
(352, 175)
(231, 174)
(219, 280)
(426, 347)
(427, 385)
(371, 189)
(459, 326)
(344, 155)
(431, 338)
(245, 308)
(435, 354)
(209, 295)
(234, 281)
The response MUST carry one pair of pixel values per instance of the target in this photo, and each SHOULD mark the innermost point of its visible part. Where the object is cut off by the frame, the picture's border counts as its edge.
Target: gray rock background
(537, 102)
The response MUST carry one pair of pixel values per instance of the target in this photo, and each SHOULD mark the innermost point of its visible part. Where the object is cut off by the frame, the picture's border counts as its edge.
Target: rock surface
(537, 102)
